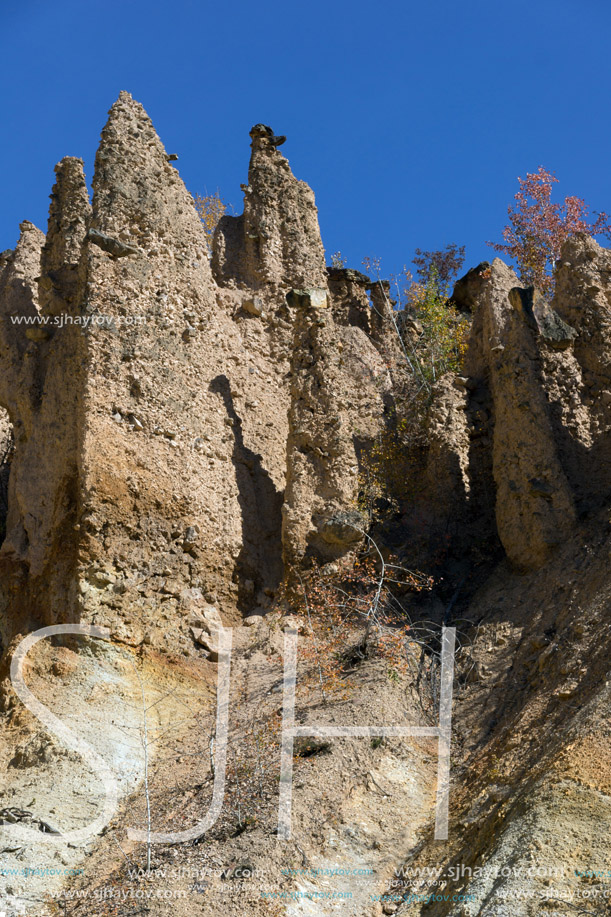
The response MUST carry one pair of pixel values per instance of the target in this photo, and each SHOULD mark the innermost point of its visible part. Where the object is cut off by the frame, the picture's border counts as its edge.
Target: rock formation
(523, 431)
(337, 402)
(189, 431)
(152, 481)
(534, 506)
(578, 375)
(276, 242)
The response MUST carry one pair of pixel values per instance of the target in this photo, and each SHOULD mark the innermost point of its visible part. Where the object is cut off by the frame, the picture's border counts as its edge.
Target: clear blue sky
(411, 121)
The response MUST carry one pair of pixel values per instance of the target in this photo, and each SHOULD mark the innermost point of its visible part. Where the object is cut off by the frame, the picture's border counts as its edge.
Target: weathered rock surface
(534, 504)
(351, 304)
(276, 242)
(188, 432)
(150, 401)
(439, 508)
(69, 214)
(465, 294)
(38, 555)
(189, 379)
(578, 378)
(525, 430)
(538, 374)
(338, 380)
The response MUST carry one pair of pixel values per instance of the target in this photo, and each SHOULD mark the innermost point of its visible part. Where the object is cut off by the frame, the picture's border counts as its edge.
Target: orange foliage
(210, 208)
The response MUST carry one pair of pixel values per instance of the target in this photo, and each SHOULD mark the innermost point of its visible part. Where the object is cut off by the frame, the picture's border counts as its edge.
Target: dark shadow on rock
(260, 559)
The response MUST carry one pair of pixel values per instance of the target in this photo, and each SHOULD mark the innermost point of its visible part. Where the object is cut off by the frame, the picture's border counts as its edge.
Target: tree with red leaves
(440, 266)
(538, 228)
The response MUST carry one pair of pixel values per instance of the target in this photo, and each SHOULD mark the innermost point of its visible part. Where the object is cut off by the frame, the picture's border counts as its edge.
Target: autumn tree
(210, 208)
(431, 331)
(538, 228)
(443, 264)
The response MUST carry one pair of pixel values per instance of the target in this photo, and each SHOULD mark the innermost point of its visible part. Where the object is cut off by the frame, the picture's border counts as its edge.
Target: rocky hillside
(187, 435)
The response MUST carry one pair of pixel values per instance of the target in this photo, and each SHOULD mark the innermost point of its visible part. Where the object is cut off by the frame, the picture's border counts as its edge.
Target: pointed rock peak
(27, 227)
(68, 215)
(69, 171)
(69, 196)
(31, 240)
(19, 292)
(276, 244)
(130, 128)
(581, 247)
(468, 289)
(126, 109)
(500, 270)
(139, 199)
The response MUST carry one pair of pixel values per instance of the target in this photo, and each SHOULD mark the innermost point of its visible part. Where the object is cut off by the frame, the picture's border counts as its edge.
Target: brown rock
(276, 242)
(338, 380)
(535, 509)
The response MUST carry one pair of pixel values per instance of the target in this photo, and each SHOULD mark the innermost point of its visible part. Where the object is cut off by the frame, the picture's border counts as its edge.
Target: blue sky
(411, 121)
